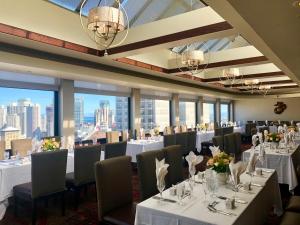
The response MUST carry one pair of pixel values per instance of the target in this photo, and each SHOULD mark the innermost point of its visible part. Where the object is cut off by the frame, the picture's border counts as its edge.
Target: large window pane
(154, 113)
(208, 112)
(187, 113)
(94, 113)
(25, 114)
(224, 112)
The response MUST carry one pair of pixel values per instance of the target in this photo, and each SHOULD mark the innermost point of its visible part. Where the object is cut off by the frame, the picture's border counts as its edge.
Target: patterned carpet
(87, 211)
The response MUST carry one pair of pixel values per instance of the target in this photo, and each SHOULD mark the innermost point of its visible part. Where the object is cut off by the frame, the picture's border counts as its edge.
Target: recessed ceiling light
(296, 4)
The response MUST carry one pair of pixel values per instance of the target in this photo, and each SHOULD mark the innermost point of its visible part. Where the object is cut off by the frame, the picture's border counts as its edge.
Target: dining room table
(135, 147)
(18, 171)
(284, 160)
(251, 207)
(206, 136)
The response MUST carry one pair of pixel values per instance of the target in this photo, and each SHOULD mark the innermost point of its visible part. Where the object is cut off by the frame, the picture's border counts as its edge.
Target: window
(155, 113)
(208, 112)
(96, 114)
(224, 112)
(26, 113)
(187, 113)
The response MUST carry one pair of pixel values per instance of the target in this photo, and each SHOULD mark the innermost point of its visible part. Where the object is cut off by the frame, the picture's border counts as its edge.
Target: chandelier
(231, 76)
(264, 89)
(192, 59)
(104, 24)
(252, 85)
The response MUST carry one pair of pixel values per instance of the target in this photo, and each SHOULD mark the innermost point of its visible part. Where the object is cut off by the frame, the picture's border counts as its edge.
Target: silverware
(236, 199)
(257, 185)
(212, 209)
(164, 199)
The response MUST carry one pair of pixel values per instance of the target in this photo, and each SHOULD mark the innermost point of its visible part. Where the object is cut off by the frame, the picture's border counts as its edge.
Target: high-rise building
(33, 119)
(50, 120)
(8, 134)
(78, 112)
(13, 120)
(121, 113)
(3, 113)
(147, 112)
(187, 113)
(102, 115)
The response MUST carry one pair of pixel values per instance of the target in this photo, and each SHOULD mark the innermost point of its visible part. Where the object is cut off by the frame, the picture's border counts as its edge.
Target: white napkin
(252, 162)
(262, 154)
(193, 160)
(161, 171)
(215, 150)
(254, 140)
(266, 122)
(280, 129)
(236, 169)
(260, 137)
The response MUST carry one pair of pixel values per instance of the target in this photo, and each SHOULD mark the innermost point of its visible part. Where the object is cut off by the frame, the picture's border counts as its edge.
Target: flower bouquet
(274, 137)
(50, 145)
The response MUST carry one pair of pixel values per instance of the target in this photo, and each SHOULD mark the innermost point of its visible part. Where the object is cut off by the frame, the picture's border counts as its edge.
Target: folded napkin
(161, 171)
(280, 129)
(193, 160)
(252, 162)
(254, 140)
(215, 150)
(260, 137)
(236, 169)
(262, 154)
(266, 122)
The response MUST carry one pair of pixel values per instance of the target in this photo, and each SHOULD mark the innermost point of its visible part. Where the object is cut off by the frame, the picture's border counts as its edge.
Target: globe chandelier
(231, 76)
(104, 23)
(252, 85)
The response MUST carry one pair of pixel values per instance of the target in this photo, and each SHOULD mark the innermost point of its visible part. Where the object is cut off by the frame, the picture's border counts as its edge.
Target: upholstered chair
(181, 139)
(169, 140)
(191, 141)
(219, 132)
(218, 141)
(115, 149)
(114, 191)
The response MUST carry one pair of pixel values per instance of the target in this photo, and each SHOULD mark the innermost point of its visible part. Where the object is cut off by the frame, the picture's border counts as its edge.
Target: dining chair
(173, 157)
(87, 142)
(2, 149)
(83, 175)
(112, 136)
(48, 177)
(115, 149)
(146, 172)
(232, 143)
(181, 139)
(191, 141)
(169, 140)
(125, 135)
(114, 191)
(101, 141)
(21, 146)
(218, 141)
(219, 132)
(290, 218)
(227, 130)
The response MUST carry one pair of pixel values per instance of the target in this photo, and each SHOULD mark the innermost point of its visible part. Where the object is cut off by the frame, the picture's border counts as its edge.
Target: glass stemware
(180, 192)
(211, 183)
(161, 186)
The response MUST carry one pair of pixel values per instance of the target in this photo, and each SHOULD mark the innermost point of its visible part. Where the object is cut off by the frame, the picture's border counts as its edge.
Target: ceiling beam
(263, 83)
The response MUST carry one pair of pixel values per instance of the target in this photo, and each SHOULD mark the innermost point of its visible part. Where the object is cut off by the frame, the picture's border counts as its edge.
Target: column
(199, 105)
(175, 110)
(66, 108)
(135, 109)
(218, 111)
(231, 111)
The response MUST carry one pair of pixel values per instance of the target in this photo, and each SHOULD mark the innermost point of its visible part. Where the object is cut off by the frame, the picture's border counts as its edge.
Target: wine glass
(180, 192)
(192, 171)
(161, 186)
(211, 183)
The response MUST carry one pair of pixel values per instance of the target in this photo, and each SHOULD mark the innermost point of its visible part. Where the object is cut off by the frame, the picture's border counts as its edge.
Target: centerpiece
(50, 144)
(220, 164)
(274, 138)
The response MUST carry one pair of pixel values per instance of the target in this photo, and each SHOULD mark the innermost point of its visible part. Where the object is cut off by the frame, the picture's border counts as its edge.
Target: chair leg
(15, 206)
(34, 214)
(63, 205)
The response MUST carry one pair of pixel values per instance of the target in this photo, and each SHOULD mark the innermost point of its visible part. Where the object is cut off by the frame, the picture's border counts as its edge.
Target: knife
(164, 199)
(257, 185)
(236, 199)
(212, 209)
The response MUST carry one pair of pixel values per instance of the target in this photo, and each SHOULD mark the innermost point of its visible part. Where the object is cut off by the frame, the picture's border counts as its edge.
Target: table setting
(209, 198)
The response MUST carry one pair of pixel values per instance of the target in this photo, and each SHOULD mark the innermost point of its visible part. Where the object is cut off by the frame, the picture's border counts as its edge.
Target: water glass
(161, 186)
(211, 183)
(180, 189)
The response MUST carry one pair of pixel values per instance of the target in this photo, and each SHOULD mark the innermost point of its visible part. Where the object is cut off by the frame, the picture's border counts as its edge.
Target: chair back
(183, 128)
(146, 171)
(227, 130)
(191, 140)
(21, 146)
(2, 149)
(84, 160)
(87, 142)
(219, 132)
(181, 139)
(48, 172)
(218, 141)
(125, 135)
(238, 143)
(167, 130)
(169, 140)
(101, 141)
(173, 157)
(113, 183)
(112, 137)
(248, 127)
(262, 129)
(229, 143)
(115, 149)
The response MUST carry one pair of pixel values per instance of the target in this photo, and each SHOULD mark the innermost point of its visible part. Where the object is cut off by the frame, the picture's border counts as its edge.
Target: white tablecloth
(207, 136)
(284, 163)
(139, 146)
(195, 212)
(12, 175)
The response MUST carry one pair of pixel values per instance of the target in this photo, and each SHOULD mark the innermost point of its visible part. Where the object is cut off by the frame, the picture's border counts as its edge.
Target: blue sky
(9, 95)
(91, 102)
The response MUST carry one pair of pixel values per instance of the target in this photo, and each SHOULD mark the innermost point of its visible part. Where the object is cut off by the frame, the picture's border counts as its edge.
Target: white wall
(263, 109)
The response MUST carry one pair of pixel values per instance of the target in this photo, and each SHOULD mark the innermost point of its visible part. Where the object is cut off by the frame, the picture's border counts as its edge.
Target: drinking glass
(192, 171)
(211, 183)
(180, 192)
(161, 186)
